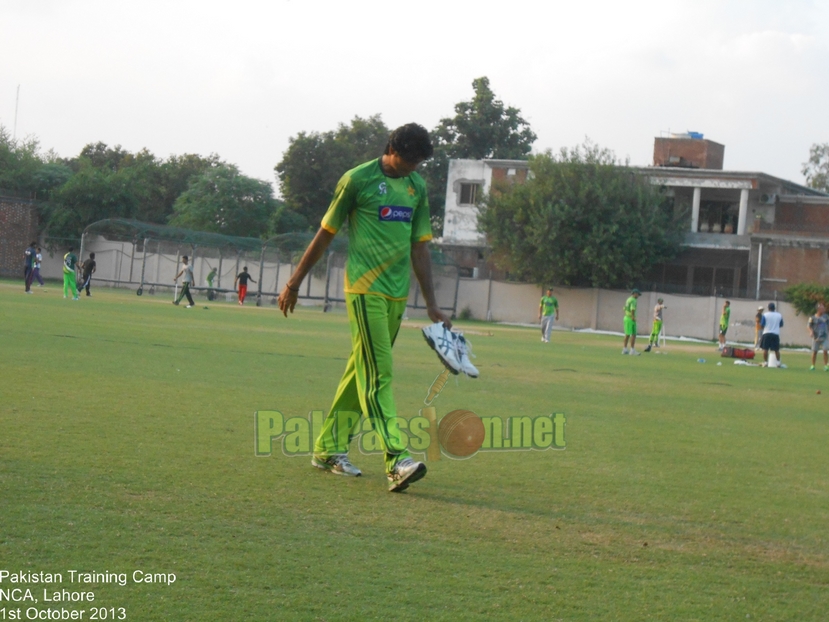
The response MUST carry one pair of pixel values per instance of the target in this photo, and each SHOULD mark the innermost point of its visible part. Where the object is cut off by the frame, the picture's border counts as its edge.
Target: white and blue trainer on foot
(405, 472)
(338, 465)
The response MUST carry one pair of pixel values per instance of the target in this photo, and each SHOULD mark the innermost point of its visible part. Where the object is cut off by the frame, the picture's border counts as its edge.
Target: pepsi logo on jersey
(393, 213)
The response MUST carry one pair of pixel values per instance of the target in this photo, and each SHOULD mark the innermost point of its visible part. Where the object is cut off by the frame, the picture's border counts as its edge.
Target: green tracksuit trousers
(365, 387)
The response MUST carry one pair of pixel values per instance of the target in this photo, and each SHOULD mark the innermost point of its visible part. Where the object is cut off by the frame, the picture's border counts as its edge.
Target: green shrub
(805, 296)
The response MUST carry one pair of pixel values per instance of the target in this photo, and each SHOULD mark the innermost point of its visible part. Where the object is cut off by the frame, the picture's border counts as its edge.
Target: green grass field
(686, 491)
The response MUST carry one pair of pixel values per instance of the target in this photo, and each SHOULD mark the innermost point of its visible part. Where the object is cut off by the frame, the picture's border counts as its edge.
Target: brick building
(749, 234)
(18, 227)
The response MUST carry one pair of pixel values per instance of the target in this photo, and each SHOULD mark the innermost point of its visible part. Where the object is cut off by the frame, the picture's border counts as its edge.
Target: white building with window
(467, 183)
(749, 234)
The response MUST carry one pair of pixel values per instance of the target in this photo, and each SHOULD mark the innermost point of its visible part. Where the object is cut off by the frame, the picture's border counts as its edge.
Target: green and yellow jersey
(386, 215)
(725, 317)
(630, 307)
(70, 260)
(549, 305)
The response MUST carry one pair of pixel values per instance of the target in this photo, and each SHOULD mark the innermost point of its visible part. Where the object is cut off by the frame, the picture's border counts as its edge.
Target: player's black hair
(411, 142)
(771, 306)
(184, 257)
(245, 269)
(728, 302)
(92, 255)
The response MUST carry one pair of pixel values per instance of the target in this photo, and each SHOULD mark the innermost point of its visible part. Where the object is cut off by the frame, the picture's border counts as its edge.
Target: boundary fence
(146, 257)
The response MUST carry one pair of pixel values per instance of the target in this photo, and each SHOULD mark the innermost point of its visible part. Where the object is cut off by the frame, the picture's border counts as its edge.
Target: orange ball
(461, 433)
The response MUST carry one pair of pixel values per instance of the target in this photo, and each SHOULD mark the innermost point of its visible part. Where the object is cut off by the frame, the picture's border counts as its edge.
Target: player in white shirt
(771, 322)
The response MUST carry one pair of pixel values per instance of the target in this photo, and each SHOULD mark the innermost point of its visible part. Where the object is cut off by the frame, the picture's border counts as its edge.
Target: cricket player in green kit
(389, 229)
(70, 286)
(630, 323)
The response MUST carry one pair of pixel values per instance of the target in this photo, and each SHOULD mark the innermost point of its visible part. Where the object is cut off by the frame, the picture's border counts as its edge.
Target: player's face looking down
(395, 166)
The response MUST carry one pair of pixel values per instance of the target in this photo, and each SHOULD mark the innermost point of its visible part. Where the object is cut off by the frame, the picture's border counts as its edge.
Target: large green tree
(104, 182)
(111, 182)
(89, 195)
(25, 170)
(816, 170)
(314, 162)
(222, 200)
(177, 171)
(582, 218)
(483, 127)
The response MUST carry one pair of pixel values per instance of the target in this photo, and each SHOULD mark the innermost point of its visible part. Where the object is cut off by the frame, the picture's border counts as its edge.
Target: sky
(241, 78)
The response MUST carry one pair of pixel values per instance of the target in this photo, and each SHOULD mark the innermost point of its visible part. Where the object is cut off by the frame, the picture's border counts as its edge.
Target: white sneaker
(625, 351)
(189, 307)
(444, 343)
(405, 472)
(634, 352)
(464, 350)
(338, 465)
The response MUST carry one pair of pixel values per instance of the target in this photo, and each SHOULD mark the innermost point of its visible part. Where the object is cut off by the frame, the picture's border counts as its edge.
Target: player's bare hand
(436, 315)
(287, 300)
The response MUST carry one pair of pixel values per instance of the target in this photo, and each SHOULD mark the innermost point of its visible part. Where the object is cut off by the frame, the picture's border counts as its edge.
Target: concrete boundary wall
(580, 308)
(602, 309)
(120, 264)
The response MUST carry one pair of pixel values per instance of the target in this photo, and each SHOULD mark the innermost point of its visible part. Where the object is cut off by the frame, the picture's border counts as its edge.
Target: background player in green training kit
(210, 276)
(389, 229)
(70, 261)
(547, 311)
(724, 318)
(657, 325)
(630, 323)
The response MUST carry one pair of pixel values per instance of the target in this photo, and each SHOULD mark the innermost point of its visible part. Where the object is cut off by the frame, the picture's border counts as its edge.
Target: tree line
(206, 193)
(190, 190)
(582, 217)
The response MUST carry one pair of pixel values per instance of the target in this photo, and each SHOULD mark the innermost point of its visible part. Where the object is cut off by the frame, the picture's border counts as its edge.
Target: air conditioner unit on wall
(768, 199)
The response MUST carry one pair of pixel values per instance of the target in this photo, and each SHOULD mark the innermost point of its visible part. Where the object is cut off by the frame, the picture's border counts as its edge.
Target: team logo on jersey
(382, 189)
(393, 213)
